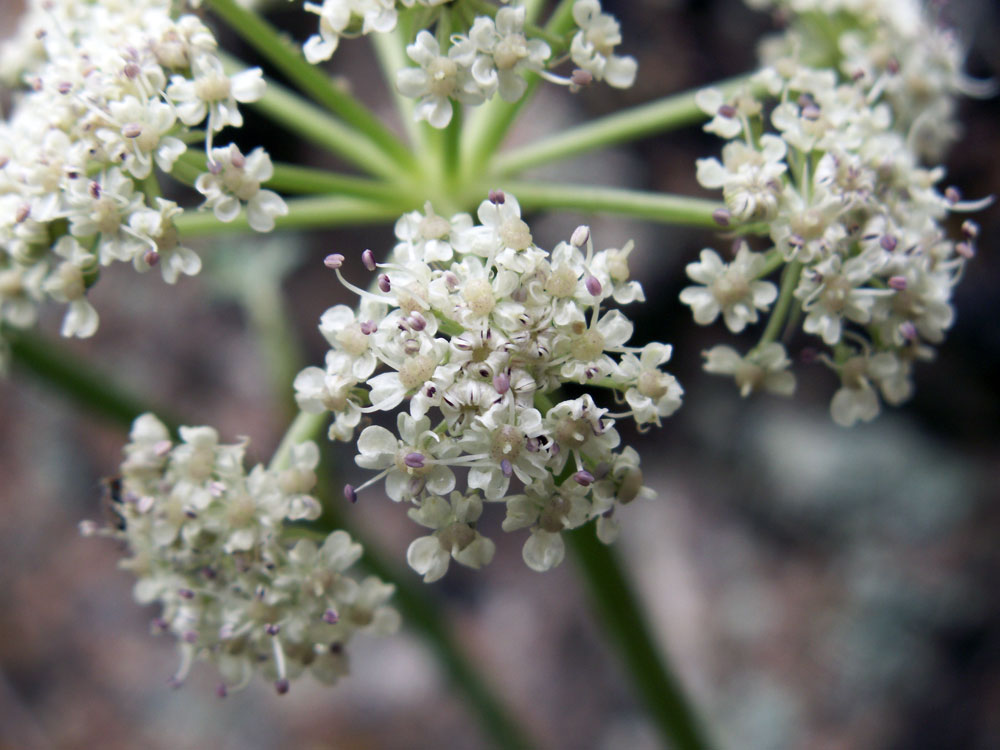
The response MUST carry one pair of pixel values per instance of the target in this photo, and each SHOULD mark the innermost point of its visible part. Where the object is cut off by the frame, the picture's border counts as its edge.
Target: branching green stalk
(616, 602)
(288, 58)
(299, 116)
(660, 116)
(77, 379)
(789, 280)
(303, 213)
(291, 178)
(661, 207)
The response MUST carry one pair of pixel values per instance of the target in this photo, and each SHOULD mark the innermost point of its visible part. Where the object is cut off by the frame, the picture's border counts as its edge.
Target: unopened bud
(580, 236)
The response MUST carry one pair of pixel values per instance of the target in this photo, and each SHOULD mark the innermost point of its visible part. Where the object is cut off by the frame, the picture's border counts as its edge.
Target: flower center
(442, 75)
(515, 234)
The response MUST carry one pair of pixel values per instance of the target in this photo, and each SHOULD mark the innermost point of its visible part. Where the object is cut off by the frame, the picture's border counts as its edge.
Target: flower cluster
(469, 60)
(896, 50)
(208, 542)
(110, 91)
(827, 163)
(478, 329)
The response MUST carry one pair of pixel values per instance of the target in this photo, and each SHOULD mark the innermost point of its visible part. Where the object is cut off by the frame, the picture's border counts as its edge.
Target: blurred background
(815, 587)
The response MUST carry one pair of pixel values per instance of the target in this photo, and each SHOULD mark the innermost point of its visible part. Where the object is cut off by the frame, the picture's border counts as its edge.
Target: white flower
(440, 78)
(763, 368)
(592, 48)
(454, 537)
(234, 179)
(730, 288)
(211, 92)
(504, 53)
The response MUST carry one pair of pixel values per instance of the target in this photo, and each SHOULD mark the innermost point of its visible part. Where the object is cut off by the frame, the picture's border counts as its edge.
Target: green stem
(303, 213)
(658, 116)
(77, 379)
(303, 118)
(288, 58)
(669, 209)
(789, 280)
(390, 51)
(623, 618)
(291, 178)
(304, 427)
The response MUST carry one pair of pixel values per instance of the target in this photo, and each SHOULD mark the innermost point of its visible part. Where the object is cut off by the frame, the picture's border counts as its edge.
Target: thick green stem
(661, 207)
(77, 379)
(662, 115)
(615, 601)
(303, 213)
(288, 58)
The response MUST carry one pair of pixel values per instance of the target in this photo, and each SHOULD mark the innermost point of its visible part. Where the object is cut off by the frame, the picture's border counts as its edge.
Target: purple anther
(581, 77)
(722, 217)
(214, 167)
(330, 617)
(131, 130)
(185, 593)
(368, 259)
(95, 190)
(281, 686)
(151, 258)
(898, 283)
(506, 467)
(892, 65)
(501, 383)
(593, 286)
(222, 691)
(190, 636)
(952, 194)
(64, 87)
(209, 572)
(236, 157)
(272, 628)
(888, 242)
(970, 229)
(965, 250)
(190, 513)
(580, 236)
(414, 460)
(584, 478)
(451, 280)
(131, 70)
(22, 213)
(333, 261)
(160, 624)
(417, 321)
(350, 494)
(383, 283)
(727, 110)
(369, 327)
(532, 445)
(497, 197)
(907, 330)
(811, 112)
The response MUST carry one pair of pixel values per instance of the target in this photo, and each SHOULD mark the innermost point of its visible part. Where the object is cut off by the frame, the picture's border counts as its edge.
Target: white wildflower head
(111, 94)
(210, 544)
(473, 329)
(827, 162)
